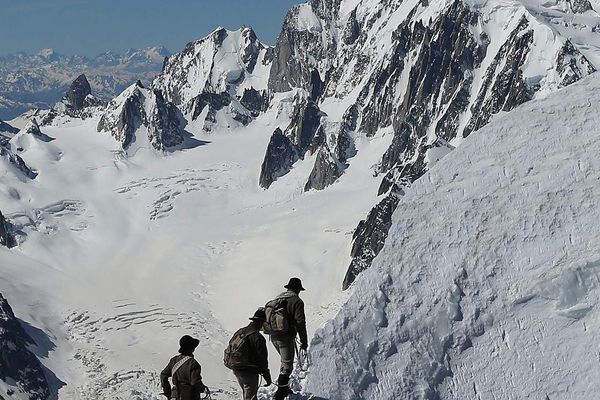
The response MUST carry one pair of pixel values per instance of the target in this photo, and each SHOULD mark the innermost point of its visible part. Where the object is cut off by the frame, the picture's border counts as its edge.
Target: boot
(283, 387)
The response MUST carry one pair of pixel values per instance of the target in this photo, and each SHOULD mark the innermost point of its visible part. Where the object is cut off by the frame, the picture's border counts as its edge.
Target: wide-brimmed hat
(294, 284)
(259, 315)
(187, 344)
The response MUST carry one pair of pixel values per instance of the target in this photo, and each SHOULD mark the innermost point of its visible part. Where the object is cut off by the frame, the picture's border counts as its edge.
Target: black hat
(188, 344)
(294, 284)
(259, 315)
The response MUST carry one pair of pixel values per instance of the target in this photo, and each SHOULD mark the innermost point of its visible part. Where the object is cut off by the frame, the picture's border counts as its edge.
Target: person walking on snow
(247, 356)
(285, 342)
(185, 373)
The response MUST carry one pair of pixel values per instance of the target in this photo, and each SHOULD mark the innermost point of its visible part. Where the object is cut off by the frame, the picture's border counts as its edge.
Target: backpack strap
(180, 364)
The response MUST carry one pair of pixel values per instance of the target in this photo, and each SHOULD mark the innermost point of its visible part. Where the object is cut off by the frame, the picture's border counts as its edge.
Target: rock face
(433, 74)
(20, 370)
(136, 108)
(17, 164)
(6, 238)
(6, 128)
(78, 101)
(303, 135)
(369, 237)
(281, 155)
(219, 80)
(78, 92)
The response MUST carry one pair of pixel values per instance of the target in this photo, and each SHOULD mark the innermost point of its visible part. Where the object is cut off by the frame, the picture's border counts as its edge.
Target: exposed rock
(296, 53)
(164, 123)
(352, 30)
(6, 238)
(304, 129)
(580, 6)
(572, 65)
(281, 155)
(33, 128)
(304, 134)
(6, 128)
(17, 163)
(78, 100)
(210, 76)
(369, 237)
(19, 367)
(78, 92)
(255, 101)
(503, 86)
(327, 169)
(124, 119)
(127, 114)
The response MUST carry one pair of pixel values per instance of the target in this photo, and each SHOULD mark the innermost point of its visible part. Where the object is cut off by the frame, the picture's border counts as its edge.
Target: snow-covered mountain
(488, 285)
(430, 72)
(40, 80)
(183, 204)
(219, 81)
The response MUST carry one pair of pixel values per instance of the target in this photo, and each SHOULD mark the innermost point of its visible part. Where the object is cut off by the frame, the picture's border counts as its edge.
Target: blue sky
(90, 27)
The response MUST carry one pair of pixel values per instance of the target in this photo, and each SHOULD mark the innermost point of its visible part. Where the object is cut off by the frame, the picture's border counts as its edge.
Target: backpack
(277, 317)
(237, 354)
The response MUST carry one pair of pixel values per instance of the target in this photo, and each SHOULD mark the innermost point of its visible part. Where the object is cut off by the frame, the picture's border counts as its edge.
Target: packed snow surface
(487, 287)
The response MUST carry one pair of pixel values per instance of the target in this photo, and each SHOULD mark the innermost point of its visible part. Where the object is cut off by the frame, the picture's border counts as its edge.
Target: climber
(286, 319)
(247, 356)
(185, 371)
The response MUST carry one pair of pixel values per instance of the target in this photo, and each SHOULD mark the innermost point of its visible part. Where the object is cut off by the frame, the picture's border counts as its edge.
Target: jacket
(297, 318)
(257, 347)
(187, 381)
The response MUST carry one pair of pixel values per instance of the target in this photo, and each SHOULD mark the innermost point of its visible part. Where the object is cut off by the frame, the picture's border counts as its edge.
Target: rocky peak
(138, 109)
(20, 370)
(77, 93)
(211, 75)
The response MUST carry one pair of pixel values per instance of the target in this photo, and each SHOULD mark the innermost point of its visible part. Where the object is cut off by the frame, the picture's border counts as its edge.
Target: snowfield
(487, 287)
(120, 256)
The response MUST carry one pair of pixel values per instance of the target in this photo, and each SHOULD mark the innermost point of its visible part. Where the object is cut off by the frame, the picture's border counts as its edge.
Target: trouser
(286, 347)
(249, 383)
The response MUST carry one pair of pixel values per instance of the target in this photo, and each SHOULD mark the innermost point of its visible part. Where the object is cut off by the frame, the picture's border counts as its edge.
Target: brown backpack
(277, 317)
(238, 353)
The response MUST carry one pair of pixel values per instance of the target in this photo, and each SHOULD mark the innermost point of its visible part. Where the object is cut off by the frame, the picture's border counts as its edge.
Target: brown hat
(259, 315)
(188, 344)
(294, 284)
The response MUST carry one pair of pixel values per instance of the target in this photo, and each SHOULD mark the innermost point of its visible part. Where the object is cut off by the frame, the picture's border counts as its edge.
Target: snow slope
(119, 256)
(487, 287)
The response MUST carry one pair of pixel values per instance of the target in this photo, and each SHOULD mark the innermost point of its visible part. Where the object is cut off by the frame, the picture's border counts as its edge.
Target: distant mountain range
(40, 80)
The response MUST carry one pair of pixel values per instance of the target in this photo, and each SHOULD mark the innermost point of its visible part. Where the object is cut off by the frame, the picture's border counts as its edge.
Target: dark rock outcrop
(6, 237)
(78, 92)
(580, 6)
(7, 128)
(123, 118)
(16, 162)
(295, 55)
(131, 116)
(327, 169)
(255, 101)
(164, 123)
(281, 155)
(304, 134)
(209, 75)
(369, 237)
(569, 64)
(19, 367)
(504, 89)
